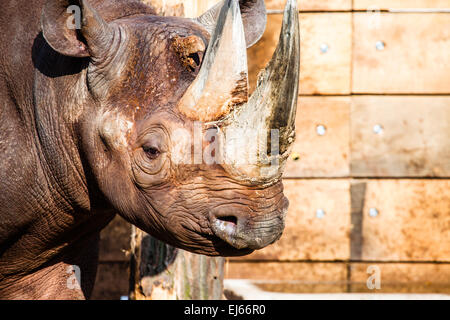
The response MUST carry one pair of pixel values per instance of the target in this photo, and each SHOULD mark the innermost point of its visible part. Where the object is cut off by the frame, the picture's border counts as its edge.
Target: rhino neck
(59, 205)
(62, 104)
(58, 103)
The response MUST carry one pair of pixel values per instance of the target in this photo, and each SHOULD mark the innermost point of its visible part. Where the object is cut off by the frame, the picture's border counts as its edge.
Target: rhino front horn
(221, 84)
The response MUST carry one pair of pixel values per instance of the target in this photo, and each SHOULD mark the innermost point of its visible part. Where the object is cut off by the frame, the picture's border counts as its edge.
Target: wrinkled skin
(82, 139)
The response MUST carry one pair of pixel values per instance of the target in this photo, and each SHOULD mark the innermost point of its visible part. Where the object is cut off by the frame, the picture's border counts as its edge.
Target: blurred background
(369, 177)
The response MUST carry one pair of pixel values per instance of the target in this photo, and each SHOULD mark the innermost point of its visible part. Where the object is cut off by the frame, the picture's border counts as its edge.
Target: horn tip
(291, 5)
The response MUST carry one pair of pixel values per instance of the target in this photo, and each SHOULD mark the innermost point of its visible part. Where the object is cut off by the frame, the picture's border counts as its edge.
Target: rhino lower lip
(227, 227)
(227, 230)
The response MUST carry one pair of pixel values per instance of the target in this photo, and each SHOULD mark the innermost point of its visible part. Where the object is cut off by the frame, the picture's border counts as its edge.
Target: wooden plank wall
(369, 177)
(368, 180)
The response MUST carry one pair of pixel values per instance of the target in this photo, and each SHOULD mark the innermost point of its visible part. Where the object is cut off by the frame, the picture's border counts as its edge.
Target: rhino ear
(74, 28)
(253, 14)
(59, 28)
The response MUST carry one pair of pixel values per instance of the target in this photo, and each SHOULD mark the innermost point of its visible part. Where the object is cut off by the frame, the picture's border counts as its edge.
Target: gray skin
(82, 129)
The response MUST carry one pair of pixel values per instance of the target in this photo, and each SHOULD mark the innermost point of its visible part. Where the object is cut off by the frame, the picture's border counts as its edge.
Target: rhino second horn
(222, 82)
(253, 15)
(272, 106)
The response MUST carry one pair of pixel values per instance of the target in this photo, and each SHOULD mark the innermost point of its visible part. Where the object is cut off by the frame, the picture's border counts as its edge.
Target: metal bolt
(373, 212)
(380, 45)
(295, 156)
(324, 48)
(320, 213)
(378, 129)
(321, 130)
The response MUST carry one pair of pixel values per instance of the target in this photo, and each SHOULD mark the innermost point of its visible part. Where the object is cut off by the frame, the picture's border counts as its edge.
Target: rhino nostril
(242, 231)
(229, 219)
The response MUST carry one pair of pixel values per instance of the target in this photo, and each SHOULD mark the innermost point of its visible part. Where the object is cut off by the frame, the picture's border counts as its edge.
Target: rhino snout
(248, 231)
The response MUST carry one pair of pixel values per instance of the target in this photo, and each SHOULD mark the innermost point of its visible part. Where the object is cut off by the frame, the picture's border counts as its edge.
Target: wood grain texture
(326, 155)
(415, 58)
(414, 141)
(413, 223)
(391, 4)
(312, 5)
(325, 73)
(195, 8)
(186, 8)
(162, 272)
(298, 277)
(402, 277)
(307, 237)
(320, 73)
(297, 271)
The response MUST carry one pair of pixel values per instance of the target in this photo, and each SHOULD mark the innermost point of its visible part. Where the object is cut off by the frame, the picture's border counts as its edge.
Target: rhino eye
(151, 152)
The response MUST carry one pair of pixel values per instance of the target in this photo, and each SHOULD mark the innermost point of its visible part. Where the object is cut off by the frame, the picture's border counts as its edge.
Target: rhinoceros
(107, 108)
